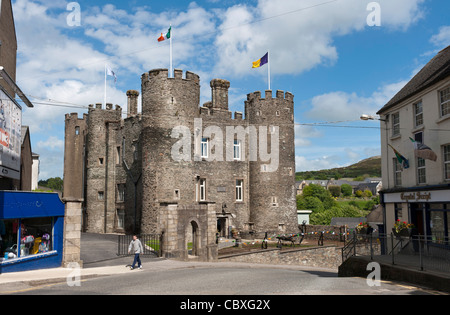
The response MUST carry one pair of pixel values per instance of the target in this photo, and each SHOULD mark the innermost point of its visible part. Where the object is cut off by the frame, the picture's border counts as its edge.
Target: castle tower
(132, 103)
(219, 91)
(102, 127)
(74, 156)
(166, 104)
(272, 183)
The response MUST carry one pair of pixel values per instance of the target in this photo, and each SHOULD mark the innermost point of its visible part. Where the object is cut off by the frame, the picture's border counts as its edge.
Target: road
(223, 279)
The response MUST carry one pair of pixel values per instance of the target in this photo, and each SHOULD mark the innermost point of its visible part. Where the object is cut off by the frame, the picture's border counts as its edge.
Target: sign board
(418, 196)
(10, 136)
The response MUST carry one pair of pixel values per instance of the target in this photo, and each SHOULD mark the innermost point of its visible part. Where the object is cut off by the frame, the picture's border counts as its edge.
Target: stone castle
(125, 170)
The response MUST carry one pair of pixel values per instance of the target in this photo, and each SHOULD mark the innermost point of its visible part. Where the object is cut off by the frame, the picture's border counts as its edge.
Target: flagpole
(268, 62)
(171, 63)
(105, 87)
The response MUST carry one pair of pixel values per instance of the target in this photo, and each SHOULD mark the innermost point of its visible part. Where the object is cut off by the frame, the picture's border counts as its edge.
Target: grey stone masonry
(244, 163)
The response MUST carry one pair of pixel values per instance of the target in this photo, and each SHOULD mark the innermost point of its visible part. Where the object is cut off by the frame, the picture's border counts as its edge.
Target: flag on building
(400, 158)
(261, 62)
(423, 151)
(111, 73)
(165, 36)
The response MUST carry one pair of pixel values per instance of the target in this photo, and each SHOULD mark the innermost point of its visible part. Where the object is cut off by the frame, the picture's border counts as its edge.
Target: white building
(419, 194)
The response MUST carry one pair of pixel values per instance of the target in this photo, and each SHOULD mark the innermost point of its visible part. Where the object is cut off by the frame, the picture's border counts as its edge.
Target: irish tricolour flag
(165, 36)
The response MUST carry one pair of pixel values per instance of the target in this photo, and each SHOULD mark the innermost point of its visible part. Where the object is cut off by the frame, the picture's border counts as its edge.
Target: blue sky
(323, 51)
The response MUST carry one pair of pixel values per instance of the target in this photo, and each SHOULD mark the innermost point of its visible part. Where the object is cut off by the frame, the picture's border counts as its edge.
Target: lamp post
(370, 117)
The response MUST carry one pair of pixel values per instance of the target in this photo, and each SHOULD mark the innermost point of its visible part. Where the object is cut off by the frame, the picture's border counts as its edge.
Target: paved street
(177, 278)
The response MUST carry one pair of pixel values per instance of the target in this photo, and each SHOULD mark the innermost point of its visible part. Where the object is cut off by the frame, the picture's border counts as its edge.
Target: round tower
(272, 176)
(167, 103)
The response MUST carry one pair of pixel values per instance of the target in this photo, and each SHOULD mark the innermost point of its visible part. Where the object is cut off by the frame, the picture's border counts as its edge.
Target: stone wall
(323, 257)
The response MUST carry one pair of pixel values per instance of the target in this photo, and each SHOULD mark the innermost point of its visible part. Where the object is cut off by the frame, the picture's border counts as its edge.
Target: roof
(434, 71)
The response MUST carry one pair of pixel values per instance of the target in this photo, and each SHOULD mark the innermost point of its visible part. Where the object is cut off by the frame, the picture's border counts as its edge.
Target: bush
(359, 194)
(335, 191)
(368, 193)
(346, 190)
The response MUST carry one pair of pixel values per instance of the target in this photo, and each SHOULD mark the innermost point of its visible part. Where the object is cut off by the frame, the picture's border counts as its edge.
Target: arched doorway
(193, 239)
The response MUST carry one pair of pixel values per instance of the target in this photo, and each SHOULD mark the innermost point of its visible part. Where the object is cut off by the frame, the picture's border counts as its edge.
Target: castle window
(77, 130)
(201, 189)
(101, 196)
(100, 161)
(277, 113)
(120, 218)
(239, 190)
(274, 202)
(118, 156)
(120, 192)
(258, 113)
(176, 194)
(205, 148)
(237, 150)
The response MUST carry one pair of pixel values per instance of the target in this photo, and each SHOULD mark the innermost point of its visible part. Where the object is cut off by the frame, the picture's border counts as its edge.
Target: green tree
(55, 183)
(346, 190)
(335, 191)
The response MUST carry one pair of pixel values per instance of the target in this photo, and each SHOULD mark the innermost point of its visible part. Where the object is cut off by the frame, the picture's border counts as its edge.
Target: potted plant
(363, 228)
(401, 228)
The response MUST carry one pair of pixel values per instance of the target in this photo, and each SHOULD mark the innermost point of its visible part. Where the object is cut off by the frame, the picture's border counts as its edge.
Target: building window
(397, 172)
(120, 192)
(395, 124)
(398, 211)
(277, 113)
(176, 194)
(237, 150)
(274, 202)
(421, 173)
(418, 114)
(239, 190)
(202, 189)
(447, 162)
(445, 101)
(101, 196)
(77, 130)
(100, 161)
(120, 218)
(205, 148)
(118, 155)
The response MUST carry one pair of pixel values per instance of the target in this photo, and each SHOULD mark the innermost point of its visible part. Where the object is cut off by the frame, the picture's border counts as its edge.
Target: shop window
(35, 237)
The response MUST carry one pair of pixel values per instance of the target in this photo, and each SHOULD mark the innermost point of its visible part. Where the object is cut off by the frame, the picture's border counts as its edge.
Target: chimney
(132, 102)
(219, 91)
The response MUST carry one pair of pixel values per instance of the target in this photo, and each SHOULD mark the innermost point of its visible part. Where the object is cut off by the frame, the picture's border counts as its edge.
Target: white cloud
(343, 106)
(52, 143)
(303, 134)
(323, 163)
(442, 39)
(298, 34)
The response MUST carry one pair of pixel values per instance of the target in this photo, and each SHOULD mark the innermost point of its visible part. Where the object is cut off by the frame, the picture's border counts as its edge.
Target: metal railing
(152, 244)
(418, 251)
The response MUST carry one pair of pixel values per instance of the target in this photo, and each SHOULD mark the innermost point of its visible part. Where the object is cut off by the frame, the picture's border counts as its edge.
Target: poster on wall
(10, 137)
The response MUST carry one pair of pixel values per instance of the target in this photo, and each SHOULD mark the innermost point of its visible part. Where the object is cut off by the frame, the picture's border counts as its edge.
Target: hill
(370, 167)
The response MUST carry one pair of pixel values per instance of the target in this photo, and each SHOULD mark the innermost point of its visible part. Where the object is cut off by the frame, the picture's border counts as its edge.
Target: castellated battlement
(269, 95)
(164, 74)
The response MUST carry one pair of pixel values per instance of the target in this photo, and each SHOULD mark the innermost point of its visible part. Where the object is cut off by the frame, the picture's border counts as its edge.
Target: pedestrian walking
(137, 249)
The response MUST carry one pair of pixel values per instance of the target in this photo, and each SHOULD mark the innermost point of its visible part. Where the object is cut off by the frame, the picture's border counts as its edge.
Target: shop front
(31, 231)
(427, 210)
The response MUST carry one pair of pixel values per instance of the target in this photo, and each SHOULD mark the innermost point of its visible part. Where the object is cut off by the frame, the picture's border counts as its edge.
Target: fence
(419, 252)
(152, 244)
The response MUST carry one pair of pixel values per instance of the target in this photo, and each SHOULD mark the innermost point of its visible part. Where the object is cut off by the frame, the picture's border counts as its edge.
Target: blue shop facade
(31, 231)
